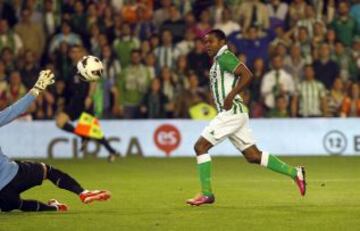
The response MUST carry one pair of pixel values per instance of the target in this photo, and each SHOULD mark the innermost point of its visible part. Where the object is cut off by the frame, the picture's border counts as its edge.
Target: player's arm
(246, 76)
(45, 79)
(88, 100)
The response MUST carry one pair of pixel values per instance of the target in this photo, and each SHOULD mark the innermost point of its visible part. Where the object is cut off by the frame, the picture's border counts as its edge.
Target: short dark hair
(219, 34)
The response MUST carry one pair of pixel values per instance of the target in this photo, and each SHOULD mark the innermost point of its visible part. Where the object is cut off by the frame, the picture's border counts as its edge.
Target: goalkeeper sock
(272, 162)
(204, 170)
(63, 180)
(35, 206)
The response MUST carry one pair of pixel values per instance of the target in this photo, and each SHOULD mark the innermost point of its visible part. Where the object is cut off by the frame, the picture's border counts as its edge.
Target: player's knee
(253, 158)
(199, 148)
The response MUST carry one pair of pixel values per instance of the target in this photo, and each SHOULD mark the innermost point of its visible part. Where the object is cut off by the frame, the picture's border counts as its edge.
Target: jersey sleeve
(229, 62)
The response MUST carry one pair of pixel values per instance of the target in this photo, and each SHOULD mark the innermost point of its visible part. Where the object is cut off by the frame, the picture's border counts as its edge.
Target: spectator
(58, 93)
(144, 28)
(9, 38)
(7, 56)
(79, 20)
(350, 106)
(66, 35)
(181, 72)
(188, 44)
(51, 19)
(31, 34)
(326, 70)
(344, 61)
(7, 12)
(345, 26)
(278, 11)
(92, 15)
(3, 82)
(150, 65)
(281, 108)
(310, 97)
(304, 40)
(108, 23)
(168, 88)
(167, 53)
(190, 97)
(162, 14)
(199, 62)
(134, 83)
(355, 12)
(16, 88)
(175, 24)
(62, 62)
(124, 44)
(258, 70)
(255, 14)
(252, 44)
(227, 25)
(153, 103)
(217, 11)
(294, 63)
(110, 95)
(308, 20)
(204, 24)
(30, 70)
(297, 10)
(335, 98)
(276, 82)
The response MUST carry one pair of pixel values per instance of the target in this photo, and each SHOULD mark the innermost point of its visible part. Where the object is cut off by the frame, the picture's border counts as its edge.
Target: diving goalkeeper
(18, 176)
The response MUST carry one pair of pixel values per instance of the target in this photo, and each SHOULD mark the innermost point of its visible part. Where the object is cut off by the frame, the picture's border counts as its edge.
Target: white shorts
(229, 125)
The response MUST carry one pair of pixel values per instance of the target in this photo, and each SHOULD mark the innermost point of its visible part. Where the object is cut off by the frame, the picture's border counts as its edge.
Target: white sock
(264, 159)
(203, 158)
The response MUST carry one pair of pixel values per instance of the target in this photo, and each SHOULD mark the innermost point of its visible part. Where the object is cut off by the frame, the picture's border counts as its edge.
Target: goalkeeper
(19, 176)
(78, 100)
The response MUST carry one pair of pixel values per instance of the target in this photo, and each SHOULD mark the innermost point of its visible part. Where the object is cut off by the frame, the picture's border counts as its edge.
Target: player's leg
(270, 161)
(244, 141)
(224, 124)
(202, 147)
(63, 122)
(65, 181)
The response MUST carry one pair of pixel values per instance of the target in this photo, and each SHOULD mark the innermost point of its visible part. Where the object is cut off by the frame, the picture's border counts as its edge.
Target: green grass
(149, 194)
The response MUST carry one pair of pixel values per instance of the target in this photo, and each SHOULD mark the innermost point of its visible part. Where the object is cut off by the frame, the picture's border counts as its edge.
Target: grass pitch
(149, 194)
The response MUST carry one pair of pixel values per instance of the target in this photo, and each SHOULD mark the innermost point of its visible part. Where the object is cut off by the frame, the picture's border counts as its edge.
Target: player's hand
(46, 78)
(88, 102)
(228, 102)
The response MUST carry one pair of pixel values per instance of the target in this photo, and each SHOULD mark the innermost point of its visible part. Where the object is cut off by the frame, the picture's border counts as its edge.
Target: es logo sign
(167, 138)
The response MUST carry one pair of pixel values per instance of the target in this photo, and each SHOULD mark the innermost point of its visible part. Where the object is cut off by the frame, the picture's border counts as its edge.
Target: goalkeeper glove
(46, 78)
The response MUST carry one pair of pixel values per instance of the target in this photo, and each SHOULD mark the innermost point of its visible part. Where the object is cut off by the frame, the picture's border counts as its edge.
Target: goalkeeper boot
(59, 206)
(112, 157)
(95, 195)
(201, 199)
(300, 180)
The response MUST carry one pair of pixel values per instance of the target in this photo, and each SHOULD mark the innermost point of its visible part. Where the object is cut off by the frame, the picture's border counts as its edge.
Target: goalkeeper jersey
(8, 168)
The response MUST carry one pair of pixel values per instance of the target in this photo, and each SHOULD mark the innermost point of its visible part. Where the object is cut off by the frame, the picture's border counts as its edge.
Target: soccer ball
(90, 68)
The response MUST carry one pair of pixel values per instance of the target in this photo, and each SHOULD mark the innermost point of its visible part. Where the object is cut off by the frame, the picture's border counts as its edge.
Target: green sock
(272, 162)
(204, 169)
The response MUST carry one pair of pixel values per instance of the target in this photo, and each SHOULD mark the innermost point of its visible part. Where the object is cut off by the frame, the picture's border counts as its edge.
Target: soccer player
(228, 77)
(19, 176)
(79, 99)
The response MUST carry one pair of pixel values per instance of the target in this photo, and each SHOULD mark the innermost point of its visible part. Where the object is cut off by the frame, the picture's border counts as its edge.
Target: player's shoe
(112, 157)
(95, 195)
(200, 200)
(300, 180)
(59, 206)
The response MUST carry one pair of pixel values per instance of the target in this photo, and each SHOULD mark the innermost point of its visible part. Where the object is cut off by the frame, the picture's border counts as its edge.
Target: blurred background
(305, 55)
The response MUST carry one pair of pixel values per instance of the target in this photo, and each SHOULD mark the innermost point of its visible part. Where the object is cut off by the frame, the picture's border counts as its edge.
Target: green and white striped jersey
(310, 94)
(223, 80)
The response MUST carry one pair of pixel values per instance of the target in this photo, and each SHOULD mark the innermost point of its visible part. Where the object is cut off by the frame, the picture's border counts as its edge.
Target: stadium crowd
(305, 55)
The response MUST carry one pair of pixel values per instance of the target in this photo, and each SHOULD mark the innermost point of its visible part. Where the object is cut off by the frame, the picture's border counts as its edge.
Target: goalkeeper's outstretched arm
(7, 115)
